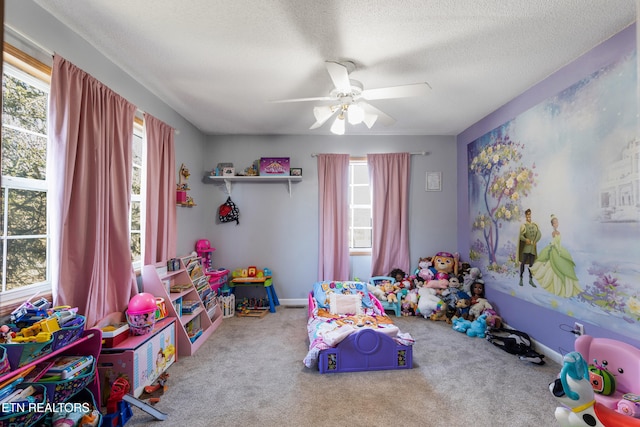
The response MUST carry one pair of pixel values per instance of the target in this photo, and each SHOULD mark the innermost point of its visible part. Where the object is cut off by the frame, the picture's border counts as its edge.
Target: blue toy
(478, 327)
(460, 324)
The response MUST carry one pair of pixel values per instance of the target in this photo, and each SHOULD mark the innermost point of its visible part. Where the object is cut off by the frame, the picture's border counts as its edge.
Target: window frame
(19, 65)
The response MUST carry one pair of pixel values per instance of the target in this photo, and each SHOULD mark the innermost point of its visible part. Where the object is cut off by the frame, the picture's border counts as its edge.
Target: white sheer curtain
(389, 176)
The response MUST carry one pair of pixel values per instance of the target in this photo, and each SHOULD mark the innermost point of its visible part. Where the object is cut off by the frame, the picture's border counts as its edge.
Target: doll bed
(367, 341)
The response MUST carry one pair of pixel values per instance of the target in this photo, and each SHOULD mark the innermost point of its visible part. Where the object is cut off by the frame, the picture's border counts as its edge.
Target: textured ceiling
(219, 62)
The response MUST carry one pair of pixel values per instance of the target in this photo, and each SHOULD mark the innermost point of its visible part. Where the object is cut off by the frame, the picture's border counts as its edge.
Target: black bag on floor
(515, 342)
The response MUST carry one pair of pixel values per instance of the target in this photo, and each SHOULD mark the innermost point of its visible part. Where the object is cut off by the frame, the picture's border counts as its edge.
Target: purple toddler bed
(354, 333)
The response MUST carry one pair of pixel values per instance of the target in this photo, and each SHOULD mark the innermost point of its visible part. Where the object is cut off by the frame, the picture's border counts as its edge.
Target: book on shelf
(178, 287)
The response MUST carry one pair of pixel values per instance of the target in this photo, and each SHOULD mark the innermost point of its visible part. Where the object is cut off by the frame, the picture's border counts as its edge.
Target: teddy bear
(479, 307)
(376, 291)
(429, 301)
(447, 263)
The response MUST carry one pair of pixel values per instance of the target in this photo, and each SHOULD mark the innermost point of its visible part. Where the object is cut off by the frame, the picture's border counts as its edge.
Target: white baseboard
(548, 353)
(294, 302)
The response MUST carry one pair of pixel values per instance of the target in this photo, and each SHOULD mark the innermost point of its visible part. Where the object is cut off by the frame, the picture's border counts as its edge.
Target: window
(24, 228)
(360, 223)
(136, 231)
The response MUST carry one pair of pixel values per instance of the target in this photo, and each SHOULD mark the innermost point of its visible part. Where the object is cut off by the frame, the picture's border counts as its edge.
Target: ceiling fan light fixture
(355, 114)
(338, 126)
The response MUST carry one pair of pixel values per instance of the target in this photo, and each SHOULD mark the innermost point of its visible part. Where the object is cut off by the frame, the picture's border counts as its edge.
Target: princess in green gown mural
(554, 268)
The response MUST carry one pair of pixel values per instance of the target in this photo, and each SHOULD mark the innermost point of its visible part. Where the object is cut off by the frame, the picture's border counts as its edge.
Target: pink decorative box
(181, 196)
(274, 166)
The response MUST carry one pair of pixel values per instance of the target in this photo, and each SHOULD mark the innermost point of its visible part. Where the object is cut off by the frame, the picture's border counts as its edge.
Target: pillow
(345, 303)
(322, 290)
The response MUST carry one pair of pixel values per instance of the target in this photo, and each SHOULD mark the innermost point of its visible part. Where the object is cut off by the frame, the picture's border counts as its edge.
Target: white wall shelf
(227, 180)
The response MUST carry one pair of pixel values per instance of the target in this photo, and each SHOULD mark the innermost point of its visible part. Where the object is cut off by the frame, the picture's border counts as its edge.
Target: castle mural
(574, 162)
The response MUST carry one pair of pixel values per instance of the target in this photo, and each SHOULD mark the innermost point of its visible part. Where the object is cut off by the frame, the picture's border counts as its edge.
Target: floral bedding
(327, 330)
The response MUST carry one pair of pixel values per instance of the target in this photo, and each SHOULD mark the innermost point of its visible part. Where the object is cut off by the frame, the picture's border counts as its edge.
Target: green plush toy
(602, 381)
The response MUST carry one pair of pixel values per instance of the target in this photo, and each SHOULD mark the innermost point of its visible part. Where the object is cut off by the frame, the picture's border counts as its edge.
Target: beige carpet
(250, 372)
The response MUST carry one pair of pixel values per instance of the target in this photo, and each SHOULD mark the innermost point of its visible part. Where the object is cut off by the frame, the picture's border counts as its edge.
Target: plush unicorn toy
(574, 390)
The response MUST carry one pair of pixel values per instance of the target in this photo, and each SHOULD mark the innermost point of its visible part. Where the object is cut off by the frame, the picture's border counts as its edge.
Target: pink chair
(620, 359)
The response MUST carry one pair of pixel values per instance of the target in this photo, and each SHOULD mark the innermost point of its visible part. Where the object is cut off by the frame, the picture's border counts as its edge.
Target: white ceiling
(219, 62)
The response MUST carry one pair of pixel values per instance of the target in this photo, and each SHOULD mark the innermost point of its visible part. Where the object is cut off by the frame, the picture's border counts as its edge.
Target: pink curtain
(389, 176)
(160, 229)
(333, 191)
(89, 169)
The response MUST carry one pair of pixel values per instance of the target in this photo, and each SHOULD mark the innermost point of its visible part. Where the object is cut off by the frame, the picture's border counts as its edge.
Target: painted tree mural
(502, 182)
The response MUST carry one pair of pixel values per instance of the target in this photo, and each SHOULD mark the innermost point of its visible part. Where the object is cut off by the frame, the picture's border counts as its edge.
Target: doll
(402, 281)
(477, 291)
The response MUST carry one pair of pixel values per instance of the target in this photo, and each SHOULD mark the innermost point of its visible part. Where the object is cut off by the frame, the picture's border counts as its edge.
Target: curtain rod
(416, 153)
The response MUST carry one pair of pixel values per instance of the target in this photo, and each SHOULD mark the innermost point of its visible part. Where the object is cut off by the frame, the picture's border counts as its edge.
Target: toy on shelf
(182, 198)
(217, 277)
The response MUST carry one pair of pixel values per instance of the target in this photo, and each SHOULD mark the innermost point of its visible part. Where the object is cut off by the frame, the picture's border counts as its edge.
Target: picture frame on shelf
(296, 171)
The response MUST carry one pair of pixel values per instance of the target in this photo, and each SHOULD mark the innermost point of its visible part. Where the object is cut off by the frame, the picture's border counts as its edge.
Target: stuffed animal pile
(444, 288)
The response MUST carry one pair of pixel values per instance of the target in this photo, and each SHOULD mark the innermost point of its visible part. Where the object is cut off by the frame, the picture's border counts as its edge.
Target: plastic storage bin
(69, 334)
(19, 354)
(61, 391)
(22, 418)
(4, 361)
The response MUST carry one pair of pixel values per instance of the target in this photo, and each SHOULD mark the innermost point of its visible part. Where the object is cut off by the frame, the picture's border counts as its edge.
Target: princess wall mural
(554, 199)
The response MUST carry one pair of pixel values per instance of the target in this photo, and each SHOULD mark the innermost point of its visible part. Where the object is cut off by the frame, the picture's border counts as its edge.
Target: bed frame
(366, 350)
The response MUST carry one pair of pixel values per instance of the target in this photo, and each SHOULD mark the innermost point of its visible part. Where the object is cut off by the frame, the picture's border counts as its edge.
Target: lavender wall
(548, 327)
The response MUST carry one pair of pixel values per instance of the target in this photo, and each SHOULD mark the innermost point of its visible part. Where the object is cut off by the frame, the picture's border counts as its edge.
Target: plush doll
(461, 325)
(476, 291)
(390, 290)
(479, 307)
(474, 275)
(493, 320)
(424, 270)
(376, 291)
(445, 262)
(478, 327)
(409, 305)
(402, 280)
(429, 301)
(437, 284)
(462, 308)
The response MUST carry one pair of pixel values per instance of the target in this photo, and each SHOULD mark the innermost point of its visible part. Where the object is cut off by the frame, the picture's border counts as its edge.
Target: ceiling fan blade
(339, 75)
(322, 114)
(318, 98)
(370, 110)
(404, 91)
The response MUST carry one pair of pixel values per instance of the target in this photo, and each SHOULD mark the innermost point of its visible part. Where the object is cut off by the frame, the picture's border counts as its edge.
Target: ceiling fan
(348, 99)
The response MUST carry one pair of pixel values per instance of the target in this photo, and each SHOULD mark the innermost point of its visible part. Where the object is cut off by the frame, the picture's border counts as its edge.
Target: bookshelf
(188, 297)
